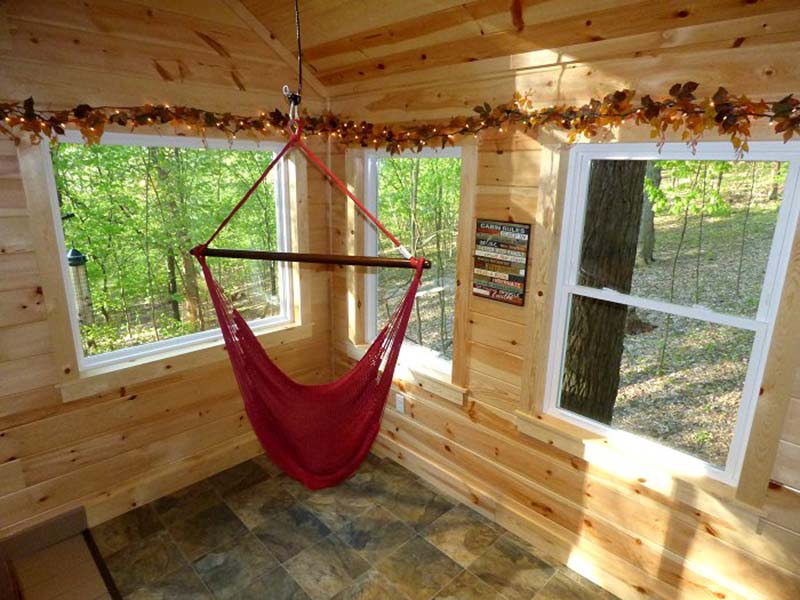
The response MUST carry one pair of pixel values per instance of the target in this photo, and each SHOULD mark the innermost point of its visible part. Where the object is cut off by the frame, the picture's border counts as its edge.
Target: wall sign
(500, 259)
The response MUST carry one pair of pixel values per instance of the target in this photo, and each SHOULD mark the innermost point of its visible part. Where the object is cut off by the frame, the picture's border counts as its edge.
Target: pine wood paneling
(141, 432)
(659, 536)
(24, 340)
(18, 271)
(24, 305)
(635, 530)
(791, 426)
(787, 464)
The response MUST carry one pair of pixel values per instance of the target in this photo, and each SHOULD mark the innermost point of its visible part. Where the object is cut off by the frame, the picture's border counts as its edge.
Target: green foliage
(689, 188)
(418, 200)
(135, 212)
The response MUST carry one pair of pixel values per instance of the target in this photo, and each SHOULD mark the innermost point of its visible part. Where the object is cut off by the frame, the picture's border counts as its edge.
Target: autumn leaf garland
(680, 111)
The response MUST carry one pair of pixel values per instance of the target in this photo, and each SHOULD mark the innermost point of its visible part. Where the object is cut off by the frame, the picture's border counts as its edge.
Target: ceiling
(237, 53)
(350, 41)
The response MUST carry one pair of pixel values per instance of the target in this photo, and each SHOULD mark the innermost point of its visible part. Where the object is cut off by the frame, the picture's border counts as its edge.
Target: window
(670, 274)
(130, 210)
(417, 197)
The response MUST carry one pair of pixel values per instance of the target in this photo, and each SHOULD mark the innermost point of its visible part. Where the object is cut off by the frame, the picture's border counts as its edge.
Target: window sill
(641, 462)
(101, 379)
(410, 373)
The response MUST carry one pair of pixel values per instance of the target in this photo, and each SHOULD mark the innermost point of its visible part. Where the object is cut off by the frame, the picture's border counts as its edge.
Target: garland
(681, 111)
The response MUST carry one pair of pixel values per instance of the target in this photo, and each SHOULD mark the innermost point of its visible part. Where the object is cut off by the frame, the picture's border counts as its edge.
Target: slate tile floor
(251, 533)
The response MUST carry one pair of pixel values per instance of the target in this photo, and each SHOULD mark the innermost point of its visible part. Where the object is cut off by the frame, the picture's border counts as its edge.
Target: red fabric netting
(318, 434)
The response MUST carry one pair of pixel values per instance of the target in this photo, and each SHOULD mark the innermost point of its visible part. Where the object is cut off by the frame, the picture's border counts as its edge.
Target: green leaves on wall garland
(681, 111)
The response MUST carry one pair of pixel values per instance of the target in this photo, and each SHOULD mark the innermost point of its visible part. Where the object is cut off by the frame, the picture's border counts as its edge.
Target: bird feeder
(80, 285)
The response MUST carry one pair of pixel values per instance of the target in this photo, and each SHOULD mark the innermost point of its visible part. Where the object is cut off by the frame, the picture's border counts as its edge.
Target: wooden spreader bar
(326, 259)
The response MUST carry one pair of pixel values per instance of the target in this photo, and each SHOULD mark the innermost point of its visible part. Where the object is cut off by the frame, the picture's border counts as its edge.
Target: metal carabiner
(294, 103)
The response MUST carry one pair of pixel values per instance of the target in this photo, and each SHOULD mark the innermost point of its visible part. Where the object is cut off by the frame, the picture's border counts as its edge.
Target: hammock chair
(317, 434)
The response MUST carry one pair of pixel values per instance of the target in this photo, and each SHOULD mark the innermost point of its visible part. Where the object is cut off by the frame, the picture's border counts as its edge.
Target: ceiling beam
(591, 25)
(270, 40)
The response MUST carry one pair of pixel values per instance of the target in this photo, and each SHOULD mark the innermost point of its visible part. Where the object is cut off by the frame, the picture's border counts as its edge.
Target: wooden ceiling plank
(277, 47)
(750, 71)
(209, 10)
(407, 29)
(759, 29)
(485, 24)
(5, 32)
(593, 26)
(140, 23)
(326, 20)
(59, 85)
(100, 52)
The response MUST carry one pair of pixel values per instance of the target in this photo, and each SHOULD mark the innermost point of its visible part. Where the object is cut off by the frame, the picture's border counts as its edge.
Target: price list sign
(501, 255)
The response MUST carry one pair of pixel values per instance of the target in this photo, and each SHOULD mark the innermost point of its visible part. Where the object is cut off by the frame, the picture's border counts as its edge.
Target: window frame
(762, 324)
(370, 246)
(184, 343)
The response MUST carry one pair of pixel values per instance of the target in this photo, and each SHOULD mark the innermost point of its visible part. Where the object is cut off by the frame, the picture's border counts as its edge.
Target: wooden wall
(631, 527)
(131, 52)
(138, 435)
(115, 442)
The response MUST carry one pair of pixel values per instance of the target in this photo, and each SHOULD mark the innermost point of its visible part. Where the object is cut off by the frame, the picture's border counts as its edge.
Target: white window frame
(762, 324)
(371, 158)
(187, 342)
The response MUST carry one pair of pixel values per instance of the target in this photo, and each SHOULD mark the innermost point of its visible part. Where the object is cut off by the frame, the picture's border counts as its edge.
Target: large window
(417, 197)
(670, 274)
(131, 209)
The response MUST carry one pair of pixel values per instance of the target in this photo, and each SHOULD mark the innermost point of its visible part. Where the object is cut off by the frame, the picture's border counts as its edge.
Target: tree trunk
(440, 271)
(146, 249)
(191, 291)
(104, 305)
(608, 255)
(414, 235)
(173, 286)
(776, 187)
(699, 258)
(743, 240)
(647, 227)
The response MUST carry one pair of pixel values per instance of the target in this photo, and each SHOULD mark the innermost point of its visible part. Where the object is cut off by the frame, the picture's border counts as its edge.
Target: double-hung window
(417, 196)
(670, 273)
(128, 211)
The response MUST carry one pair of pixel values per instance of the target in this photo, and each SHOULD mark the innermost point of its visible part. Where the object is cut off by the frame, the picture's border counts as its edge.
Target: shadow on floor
(253, 533)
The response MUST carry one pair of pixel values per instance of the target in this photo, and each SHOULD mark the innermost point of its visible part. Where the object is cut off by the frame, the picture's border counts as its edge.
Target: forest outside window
(670, 274)
(130, 210)
(417, 197)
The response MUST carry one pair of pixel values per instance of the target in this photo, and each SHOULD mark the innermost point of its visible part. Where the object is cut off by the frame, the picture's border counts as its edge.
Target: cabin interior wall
(130, 439)
(635, 536)
(639, 535)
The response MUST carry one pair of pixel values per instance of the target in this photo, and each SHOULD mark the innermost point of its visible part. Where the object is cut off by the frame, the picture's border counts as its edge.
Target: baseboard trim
(44, 534)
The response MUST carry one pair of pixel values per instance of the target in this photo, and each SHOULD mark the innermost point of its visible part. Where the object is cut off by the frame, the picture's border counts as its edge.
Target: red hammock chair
(318, 434)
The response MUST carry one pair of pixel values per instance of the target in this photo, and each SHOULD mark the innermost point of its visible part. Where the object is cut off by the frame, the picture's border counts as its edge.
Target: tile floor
(252, 533)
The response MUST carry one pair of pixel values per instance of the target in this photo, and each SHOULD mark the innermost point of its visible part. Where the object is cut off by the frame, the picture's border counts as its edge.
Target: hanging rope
(299, 48)
(296, 97)
(295, 140)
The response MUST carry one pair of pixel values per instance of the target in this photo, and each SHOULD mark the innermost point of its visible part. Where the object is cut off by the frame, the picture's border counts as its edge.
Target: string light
(733, 117)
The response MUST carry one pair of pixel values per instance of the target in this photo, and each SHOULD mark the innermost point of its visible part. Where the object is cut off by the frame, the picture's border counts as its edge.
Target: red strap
(340, 184)
(296, 141)
(293, 139)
